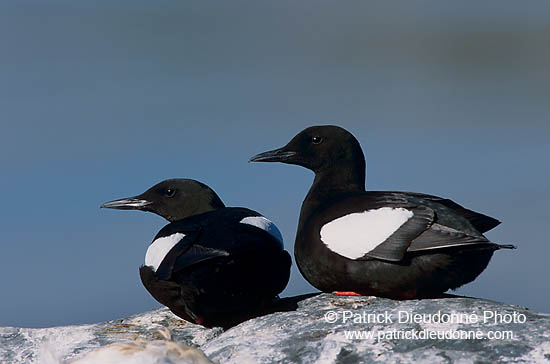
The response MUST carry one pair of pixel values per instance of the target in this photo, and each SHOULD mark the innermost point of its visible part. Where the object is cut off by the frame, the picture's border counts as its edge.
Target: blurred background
(100, 100)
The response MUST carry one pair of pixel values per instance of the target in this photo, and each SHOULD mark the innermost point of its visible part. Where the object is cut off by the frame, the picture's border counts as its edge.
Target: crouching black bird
(392, 244)
(212, 265)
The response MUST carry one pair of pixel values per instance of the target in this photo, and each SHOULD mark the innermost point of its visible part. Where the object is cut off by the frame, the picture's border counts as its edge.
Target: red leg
(199, 320)
(346, 293)
(409, 295)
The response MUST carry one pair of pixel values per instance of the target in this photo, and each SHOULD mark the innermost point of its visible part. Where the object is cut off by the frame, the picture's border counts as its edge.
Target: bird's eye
(169, 192)
(316, 140)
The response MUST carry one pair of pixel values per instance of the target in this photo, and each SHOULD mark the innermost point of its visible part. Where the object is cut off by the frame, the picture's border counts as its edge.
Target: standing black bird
(212, 265)
(392, 244)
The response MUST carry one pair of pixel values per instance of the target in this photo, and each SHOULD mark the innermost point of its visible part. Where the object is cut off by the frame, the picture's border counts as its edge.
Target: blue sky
(100, 101)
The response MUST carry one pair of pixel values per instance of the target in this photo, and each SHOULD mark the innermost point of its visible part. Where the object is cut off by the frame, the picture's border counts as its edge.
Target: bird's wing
(378, 226)
(187, 252)
(440, 236)
(481, 222)
(394, 247)
(387, 227)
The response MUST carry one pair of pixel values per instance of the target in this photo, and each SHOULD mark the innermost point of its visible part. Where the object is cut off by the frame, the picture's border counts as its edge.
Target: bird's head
(317, 148)
(173, 199)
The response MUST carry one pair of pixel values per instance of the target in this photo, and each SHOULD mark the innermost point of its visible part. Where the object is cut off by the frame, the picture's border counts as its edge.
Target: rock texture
(324, 329)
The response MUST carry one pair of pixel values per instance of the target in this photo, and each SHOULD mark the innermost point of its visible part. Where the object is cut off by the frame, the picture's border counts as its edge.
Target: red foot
(346, 293)
(409, 295)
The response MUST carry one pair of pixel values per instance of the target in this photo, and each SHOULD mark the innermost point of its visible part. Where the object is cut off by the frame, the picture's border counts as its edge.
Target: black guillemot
(212, 265)
(398, 245)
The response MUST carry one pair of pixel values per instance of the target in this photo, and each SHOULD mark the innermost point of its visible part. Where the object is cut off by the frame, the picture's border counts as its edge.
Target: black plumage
(219, 271)
(439, 246)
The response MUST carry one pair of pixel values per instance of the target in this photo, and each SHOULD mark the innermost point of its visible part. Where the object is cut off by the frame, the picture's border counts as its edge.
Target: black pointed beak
(277, 155)
(132, 203)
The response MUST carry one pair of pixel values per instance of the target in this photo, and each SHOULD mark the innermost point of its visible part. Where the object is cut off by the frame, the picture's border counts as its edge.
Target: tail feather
(506, 246)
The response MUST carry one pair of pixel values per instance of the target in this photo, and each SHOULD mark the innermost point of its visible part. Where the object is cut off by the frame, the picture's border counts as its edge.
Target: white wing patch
(159, 248)
(356, 234)
(264, 224)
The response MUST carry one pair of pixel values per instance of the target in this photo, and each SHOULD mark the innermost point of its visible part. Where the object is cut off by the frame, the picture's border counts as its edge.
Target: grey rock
(325, 329)
(23, 345)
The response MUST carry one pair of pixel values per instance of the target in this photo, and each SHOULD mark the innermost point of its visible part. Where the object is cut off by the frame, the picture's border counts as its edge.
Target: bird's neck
(332, 184)
(211, 202)
(205, 208)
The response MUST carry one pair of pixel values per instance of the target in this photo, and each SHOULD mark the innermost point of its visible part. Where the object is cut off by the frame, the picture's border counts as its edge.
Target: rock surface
(324, 329)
